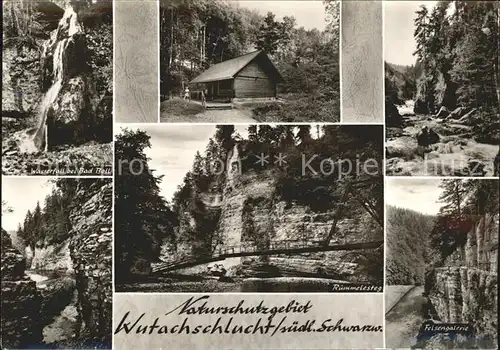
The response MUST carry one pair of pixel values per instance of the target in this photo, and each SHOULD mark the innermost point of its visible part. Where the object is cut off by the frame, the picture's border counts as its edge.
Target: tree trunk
(171, 37)
(497, 58)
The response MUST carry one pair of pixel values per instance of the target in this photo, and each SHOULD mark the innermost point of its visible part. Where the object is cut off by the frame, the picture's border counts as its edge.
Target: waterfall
(235, 158)
(233, 164)
(60, 38)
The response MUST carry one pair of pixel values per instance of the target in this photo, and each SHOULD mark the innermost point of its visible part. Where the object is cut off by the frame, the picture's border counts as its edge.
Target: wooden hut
(249, 76)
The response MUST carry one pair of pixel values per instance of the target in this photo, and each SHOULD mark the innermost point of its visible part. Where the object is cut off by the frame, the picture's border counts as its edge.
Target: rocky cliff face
(252, 214)
(20, 88)
(91, 253)
(464, 290)
(21, 303)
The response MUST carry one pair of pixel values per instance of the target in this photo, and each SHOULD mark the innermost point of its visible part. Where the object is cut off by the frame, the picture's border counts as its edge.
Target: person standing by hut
(187, 95)
(203, 98)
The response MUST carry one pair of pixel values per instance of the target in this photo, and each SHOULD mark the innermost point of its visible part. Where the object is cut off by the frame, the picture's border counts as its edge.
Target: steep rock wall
(91, 253)
(20, 89)
(251, 213)
(464, 290)
(21, 302)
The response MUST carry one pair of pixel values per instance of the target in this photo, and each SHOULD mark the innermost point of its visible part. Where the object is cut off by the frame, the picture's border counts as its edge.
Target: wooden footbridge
(274, 248)
(356, 189)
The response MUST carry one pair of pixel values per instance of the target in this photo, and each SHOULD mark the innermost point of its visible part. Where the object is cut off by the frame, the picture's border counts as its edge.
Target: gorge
(452, 88)
(279, 230)
(443, 269)
(60, 286)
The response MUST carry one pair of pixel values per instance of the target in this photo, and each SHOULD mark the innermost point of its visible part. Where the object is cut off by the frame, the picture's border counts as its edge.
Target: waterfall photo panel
(244, 61)
(57, 87)
(442, 88)
(249, 208)
(441, 263)
(57, 289)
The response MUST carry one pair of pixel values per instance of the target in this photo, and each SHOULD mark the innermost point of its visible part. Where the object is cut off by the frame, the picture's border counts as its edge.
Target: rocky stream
(456, 153)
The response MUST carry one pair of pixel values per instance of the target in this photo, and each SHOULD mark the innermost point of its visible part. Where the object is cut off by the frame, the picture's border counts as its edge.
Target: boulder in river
(427, 137)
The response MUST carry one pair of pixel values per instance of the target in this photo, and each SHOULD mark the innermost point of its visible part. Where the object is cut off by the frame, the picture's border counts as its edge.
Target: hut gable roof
(228, 69)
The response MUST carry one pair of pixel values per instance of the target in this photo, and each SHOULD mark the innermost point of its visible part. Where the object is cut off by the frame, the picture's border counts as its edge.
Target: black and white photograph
(442, 88)
(57, 290)
(249, 208)
(57, 87)
(362, 62)
(244, 61)
(441, 263)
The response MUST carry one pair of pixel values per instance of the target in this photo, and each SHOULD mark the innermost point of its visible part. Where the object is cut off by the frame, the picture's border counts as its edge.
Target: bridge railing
(251, 246)
(272, 247)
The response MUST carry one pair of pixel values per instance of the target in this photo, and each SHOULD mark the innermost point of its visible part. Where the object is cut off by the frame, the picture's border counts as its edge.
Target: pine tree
(142, 218)
(304, 133)
(452, 196)
(224, 135)
(270, 34)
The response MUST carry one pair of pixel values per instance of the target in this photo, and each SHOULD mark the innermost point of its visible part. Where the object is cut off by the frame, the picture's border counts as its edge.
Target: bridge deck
(275, 251)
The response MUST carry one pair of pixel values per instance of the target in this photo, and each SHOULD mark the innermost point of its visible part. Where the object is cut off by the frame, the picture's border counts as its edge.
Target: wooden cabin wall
(253, 82)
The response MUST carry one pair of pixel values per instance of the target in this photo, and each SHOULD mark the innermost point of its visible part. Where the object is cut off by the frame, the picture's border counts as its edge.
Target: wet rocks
(457, 113)
(71, 102)
(468, 118)
(443, 112)
(427, 137)
(55, 295)
(21, 303)
(74, 161)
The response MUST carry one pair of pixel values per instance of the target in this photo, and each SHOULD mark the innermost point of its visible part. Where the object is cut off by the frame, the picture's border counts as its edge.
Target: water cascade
(59, 39)
(233, 164)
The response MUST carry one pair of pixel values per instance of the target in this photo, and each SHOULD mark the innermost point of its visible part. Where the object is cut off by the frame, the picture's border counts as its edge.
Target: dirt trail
(403, 322)
(213, 116)
(454, 155)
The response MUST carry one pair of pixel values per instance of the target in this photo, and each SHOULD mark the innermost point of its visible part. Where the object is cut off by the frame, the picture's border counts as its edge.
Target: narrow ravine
(63, 326)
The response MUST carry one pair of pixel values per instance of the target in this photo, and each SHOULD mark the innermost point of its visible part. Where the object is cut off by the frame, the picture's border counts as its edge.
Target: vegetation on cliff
(407, 245)
(400, 82)
(418, 243)
(198, 34)
(463, 203)
(459, 56)
(192, 223)
(49, 222)
(315, 187)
